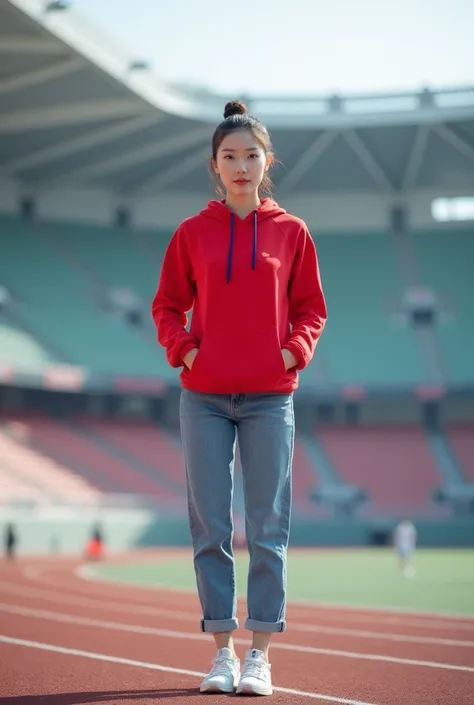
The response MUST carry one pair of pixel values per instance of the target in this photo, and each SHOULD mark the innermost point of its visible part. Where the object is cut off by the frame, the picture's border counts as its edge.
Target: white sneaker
(224, 675)
(256, 678)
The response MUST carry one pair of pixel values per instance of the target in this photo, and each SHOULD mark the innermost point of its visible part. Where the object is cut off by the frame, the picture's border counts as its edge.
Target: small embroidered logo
(265, 254)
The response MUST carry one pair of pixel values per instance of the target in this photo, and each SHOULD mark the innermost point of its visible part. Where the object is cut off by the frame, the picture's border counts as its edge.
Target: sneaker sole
(249, 690)
(213, 688)
(216, 689)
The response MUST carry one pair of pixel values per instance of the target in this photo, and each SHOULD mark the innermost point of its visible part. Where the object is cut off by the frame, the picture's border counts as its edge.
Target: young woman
(249, 271)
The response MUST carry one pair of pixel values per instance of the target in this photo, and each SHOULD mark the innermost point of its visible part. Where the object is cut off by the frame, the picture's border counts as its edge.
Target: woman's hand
(289, 359)
(188, 359)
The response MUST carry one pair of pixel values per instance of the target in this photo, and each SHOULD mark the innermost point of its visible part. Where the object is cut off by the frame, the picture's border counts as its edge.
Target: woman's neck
(244, 205)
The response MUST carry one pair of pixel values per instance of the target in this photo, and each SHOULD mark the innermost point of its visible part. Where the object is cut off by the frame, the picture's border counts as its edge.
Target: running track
(65, 640)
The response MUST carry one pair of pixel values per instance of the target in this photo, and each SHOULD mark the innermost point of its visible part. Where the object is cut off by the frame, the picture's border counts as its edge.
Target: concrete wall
(340, 212)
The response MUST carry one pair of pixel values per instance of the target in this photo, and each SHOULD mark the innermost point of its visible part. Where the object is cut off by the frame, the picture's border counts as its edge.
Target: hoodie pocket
(267, 362)
(252, 363)
(208, 371)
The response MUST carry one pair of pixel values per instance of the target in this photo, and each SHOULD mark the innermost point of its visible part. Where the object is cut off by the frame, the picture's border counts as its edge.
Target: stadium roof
(77, 109)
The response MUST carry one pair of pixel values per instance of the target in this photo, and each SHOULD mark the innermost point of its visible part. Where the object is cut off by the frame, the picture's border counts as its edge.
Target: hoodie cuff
(299, 353)
(190, 345)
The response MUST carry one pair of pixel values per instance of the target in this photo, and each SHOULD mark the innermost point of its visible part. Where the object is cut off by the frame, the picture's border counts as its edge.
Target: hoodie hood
(218, 210)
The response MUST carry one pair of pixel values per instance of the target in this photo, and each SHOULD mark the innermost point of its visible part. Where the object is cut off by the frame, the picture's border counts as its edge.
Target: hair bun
(235, 107)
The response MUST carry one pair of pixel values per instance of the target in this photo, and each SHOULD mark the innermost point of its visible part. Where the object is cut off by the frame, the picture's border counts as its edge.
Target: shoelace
(257, 669)
(222, 666)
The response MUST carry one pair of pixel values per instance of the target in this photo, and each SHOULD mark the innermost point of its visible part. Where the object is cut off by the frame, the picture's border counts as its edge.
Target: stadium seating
(362, 343)
(393, 465)
(28, 474)
(59, 306)
(89, 456)
(445, 259)
(142, 442)
(104, 468)
(113, 255)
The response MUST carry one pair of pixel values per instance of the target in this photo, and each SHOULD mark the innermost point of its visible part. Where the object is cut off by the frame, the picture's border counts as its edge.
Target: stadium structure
(100, 159)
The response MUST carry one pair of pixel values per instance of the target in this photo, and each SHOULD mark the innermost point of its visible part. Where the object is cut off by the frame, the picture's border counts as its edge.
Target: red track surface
(65, 640)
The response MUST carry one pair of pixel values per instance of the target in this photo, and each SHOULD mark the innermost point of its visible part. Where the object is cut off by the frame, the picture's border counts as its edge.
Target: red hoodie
(254, 287)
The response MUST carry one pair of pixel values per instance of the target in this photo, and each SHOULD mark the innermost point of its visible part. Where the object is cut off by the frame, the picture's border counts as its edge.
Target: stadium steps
(141, 444)
(445, 458)
(323, 469)
(461, 440)
(432, 354)
(445, 261)
(405, 257)
(305, 480)
(363, 344)
(425, 338)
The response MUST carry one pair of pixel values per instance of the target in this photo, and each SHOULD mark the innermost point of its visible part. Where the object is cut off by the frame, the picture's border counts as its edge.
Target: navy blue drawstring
(231, 245)
(254, 244)
(231, 248)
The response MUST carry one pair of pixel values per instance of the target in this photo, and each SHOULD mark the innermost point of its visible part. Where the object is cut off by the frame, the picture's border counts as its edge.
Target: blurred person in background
(404, 540)
(95, 545)
(11, 541)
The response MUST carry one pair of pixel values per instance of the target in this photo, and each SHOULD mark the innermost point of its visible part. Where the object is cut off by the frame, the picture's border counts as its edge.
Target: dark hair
(236, 117)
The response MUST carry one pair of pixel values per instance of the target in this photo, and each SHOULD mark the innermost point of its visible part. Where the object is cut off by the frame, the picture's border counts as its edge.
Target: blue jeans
(264, 426)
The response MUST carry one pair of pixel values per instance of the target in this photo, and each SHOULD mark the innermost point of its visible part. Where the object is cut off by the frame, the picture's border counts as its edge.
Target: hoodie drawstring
(231, 248)
(254, 243)
(231, 245)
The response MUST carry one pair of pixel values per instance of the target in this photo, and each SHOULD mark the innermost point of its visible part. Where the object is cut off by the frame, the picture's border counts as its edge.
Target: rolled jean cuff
(219, 625)
(254, 626)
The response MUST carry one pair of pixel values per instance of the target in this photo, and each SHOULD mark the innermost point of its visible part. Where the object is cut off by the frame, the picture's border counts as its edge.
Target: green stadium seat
(58, 304)
(363, 344)
(445, 261)
(50, 267)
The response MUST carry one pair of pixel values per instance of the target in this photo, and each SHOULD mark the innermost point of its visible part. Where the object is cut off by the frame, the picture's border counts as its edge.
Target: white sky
(296, 46)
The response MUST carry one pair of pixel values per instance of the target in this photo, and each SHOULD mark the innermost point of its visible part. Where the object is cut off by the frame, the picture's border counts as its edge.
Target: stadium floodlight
(56, 5)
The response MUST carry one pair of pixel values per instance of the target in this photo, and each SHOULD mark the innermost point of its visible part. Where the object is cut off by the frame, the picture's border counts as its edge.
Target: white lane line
(108, 605)
(171, 634)
(60, 598)
(459, 622)
(159, 667)
(407, 611)
(384, 636)
(86, 572)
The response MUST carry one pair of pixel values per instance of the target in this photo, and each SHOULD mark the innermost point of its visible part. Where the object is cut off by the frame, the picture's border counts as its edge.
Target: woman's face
(241, 163)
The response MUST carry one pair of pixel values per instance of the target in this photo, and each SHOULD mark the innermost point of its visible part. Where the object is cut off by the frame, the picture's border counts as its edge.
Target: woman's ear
(269, 162)
(214, 166)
